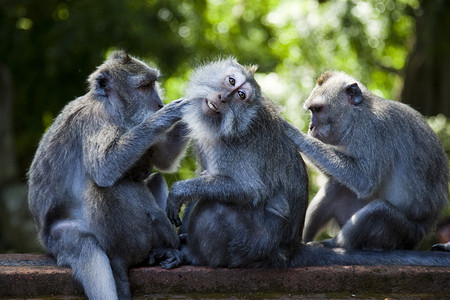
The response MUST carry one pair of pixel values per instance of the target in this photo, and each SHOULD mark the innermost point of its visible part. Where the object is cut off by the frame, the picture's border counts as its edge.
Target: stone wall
(27, 275)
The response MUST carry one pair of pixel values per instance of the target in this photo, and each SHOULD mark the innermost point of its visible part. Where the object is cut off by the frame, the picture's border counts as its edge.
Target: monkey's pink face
(233, 88)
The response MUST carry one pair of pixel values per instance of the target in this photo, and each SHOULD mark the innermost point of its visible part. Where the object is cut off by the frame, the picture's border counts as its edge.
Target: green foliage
(52, 46)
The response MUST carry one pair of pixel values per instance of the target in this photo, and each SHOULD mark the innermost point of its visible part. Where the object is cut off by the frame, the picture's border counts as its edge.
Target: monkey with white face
(94, 207)
(244, 209)
(387, 171)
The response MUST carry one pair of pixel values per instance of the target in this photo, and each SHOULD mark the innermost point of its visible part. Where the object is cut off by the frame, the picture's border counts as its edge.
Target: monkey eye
(316, 109)
(232, 81)
(146, 85)
(242, 95)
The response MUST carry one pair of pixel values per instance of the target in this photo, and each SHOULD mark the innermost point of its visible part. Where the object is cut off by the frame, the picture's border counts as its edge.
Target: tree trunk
(427, 77)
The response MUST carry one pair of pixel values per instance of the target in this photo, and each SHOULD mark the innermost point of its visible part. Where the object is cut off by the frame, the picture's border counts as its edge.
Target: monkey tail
(308, 255)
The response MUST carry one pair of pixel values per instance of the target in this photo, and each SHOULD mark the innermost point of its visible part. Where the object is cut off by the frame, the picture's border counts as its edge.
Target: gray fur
(247, 211)
(92, 208)
(387, 171)
(247, 207)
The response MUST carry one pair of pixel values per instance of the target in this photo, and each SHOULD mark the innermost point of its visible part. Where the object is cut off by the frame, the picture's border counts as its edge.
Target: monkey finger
(177, 102)
(176, 221)
(174, 258)
(172, 214)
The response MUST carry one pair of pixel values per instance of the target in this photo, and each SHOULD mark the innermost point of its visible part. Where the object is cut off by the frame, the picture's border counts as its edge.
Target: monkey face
(233, 87)
(224, 97)
(331, 103)
(320, 125)
(127, 87)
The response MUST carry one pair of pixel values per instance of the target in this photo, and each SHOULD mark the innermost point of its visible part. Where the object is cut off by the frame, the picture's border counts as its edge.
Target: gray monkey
(94, 207)
(247, 207)
(243, 215)
(387, 171)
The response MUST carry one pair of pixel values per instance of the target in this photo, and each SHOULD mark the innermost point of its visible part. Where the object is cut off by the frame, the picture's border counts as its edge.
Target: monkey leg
(120, 272)
(74, 246)
(378, 226)
(166, 242)
(332, 201)
(317, 215)
(158, 187)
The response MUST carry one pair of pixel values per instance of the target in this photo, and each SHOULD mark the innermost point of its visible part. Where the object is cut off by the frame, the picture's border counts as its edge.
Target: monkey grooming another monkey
(94, 209)
(387, 171)
(247, 207)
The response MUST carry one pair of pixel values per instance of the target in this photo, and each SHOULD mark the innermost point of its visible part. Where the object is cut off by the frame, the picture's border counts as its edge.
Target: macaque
(95, 206)
(387, 171)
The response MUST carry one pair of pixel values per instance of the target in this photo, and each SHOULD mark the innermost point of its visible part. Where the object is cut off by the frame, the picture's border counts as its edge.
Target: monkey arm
(207, 187)
(167, 152)
(111, 151)
(359, 174)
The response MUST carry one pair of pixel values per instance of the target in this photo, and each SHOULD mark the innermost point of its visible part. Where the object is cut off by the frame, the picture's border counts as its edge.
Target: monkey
(243, 215)
(387, 171)
(247, 206)
(95, 207)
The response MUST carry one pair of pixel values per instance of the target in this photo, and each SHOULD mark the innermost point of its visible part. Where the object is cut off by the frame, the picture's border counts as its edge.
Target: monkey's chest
(220, 159)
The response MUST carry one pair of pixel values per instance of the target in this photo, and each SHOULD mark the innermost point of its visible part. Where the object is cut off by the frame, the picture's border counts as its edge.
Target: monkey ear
(104, 90)
(121, 55)
(102, 84)
(252, 69)
(354, 94)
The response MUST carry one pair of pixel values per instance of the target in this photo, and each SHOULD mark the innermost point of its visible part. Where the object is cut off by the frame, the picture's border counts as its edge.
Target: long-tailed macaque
(387, 171)
(94, 207)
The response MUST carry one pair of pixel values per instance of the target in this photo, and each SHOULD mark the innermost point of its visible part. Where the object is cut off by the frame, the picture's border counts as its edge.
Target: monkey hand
(168, 258)
(177, 105)
(170, 113)
(295, 135)
(173, 208)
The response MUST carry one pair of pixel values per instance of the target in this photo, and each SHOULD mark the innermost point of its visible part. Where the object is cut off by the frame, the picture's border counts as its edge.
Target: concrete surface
(27, 275)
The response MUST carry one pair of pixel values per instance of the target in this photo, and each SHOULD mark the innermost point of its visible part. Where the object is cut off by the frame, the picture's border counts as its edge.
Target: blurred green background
(400, 49)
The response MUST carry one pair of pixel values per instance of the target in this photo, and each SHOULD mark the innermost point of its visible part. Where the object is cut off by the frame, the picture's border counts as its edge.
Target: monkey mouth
(212, 106)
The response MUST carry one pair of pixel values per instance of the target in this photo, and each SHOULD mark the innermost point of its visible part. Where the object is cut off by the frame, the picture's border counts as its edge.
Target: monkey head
(224, 97)
(334, 102)
(127, 87)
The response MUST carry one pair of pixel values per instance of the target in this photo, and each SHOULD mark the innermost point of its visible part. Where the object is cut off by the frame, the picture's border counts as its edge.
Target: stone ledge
(27, 275)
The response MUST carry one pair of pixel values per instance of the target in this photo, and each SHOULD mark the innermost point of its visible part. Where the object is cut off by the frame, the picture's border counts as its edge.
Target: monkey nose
(220, 98)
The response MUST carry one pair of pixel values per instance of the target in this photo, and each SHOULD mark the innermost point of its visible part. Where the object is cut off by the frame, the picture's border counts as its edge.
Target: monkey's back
(55, 175)
(416, 157)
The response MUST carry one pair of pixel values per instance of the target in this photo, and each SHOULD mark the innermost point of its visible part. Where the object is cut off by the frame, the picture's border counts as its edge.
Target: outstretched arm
(207, 187)
(170, 149)
(359, 174)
